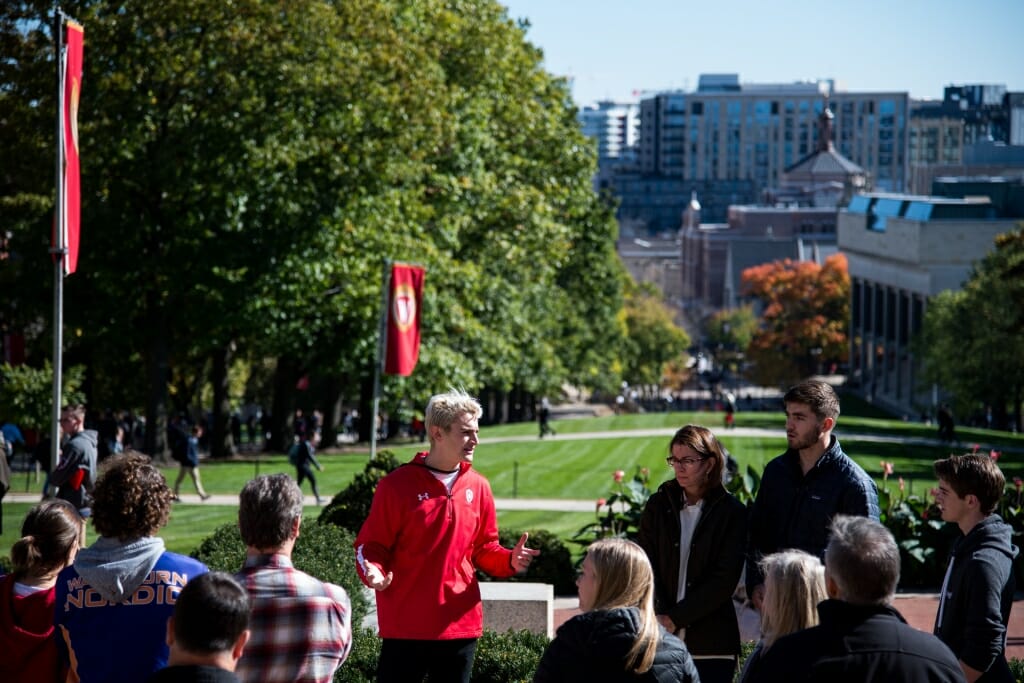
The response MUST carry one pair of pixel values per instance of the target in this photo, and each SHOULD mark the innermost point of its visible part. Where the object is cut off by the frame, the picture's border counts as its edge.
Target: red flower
(618, 476)
(974, 448)
(1018, 482)
(601, 502)
(994, 454)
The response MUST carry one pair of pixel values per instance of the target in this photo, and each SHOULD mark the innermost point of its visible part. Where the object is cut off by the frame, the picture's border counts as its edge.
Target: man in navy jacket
(805, 487)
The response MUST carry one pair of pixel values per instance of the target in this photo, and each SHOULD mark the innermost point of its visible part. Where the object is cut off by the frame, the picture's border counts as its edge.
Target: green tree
(729, 333)
(653, 339)
(972, 340)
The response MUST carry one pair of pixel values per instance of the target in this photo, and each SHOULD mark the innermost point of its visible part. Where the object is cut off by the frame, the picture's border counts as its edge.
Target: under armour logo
(423, 496)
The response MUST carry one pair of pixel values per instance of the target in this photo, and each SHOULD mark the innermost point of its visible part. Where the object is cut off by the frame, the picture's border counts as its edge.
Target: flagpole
(382, 341)
(60, 248)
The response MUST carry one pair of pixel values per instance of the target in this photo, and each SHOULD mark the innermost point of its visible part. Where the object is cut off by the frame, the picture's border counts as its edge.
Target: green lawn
(569, 469)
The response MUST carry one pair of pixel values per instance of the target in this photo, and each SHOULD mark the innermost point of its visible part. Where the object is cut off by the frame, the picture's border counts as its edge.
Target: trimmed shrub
(553, 565)
(323, 551)
(361, 665)
(349, 508)
(510, 657)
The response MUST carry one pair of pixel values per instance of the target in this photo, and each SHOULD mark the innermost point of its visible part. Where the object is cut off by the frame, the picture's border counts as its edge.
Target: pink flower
(974, 448)
(618, 476)
(601, 502)
(994, 454)
(886, 468)
(901, 484)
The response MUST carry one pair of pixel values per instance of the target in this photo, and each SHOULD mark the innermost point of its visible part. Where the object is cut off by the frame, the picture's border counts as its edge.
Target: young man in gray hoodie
(977, 591)
(75, 475)
(112, 604)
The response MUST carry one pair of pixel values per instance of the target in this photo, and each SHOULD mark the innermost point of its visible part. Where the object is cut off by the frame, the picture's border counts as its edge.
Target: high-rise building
(728, 130)
(615, 126)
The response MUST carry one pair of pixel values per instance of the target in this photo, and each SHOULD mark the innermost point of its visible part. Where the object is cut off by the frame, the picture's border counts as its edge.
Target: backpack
(293, 453)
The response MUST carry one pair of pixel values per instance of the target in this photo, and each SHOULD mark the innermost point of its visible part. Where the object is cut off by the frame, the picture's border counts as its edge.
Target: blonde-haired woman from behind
(794, 583)
(51, 535)
(617, 638)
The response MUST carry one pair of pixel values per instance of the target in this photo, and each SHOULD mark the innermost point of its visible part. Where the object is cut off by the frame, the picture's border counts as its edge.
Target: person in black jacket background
(805, 487)
(617, 638)
(861, 638)
(977, 592)
(694, 533)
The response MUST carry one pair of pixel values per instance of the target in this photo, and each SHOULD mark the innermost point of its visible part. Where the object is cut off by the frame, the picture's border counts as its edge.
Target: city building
(615, 126)
(902, 250)
(728, 130)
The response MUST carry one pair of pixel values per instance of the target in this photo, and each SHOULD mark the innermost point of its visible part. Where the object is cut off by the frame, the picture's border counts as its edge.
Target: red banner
(72, 90)
(404, 299)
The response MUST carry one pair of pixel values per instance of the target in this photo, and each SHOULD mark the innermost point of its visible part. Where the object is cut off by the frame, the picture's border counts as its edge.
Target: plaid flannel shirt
(301, 627)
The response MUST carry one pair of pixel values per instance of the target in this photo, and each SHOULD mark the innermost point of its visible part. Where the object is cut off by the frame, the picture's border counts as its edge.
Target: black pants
(716, 670)
(408, 661)
(306, 472)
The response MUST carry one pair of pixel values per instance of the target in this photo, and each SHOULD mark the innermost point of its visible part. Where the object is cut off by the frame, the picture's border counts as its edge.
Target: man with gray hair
(860, 637)
(431, 526)
(301, 628)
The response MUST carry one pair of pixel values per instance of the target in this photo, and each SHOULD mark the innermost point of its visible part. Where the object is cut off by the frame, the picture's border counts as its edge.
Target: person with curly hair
(50, 537)
(113, 603)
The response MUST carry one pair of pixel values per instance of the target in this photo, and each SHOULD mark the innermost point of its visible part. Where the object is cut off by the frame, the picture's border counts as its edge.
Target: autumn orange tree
(805, 320)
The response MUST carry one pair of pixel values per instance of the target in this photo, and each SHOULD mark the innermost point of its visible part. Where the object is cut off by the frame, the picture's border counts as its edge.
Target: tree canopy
(247, 166)
(972, 340)
(805, 320)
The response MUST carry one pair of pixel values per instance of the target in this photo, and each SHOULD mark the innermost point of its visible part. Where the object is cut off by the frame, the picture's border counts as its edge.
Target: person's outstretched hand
(522, 556)
(376, 578)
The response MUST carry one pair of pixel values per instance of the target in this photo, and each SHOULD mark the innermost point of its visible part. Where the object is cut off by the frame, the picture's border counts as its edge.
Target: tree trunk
(367, 420)
(157, 370)
(332, 415)
(222, 443)
(283, 404)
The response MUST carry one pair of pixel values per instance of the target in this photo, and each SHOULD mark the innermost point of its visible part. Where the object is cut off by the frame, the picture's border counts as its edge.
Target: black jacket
(793, 511)
(858, 644)
(976, 605)
(592, 647)
(712, 572)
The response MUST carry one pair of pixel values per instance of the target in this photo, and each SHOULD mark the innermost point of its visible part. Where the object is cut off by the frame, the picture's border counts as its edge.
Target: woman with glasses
(694, 533)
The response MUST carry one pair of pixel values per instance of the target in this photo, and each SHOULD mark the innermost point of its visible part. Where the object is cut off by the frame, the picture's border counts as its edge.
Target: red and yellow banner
(72, 78)
(404, 299)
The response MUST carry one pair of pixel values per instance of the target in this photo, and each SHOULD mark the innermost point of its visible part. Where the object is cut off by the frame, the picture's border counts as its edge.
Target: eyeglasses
(683, 463)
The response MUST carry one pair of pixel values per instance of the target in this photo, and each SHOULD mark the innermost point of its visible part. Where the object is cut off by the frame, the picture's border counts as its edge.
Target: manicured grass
(570, 469)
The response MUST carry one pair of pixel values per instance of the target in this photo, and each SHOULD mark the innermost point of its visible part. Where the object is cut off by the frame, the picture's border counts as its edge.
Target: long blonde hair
(625, 579)
(797, 586)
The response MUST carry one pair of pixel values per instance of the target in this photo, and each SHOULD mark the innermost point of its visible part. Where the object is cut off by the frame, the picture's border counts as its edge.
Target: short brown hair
(972, 473)
(701, 440)
(267, 509)
(131, 499)
(819, 396)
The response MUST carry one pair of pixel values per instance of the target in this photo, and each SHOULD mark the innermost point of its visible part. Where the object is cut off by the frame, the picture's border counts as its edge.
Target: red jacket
(433, 542)
(26, 636)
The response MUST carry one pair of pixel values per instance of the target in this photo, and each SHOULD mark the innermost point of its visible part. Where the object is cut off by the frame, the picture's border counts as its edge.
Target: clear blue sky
(612, 49)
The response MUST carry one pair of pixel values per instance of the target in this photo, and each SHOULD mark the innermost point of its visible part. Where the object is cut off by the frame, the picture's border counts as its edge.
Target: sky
(618, 50)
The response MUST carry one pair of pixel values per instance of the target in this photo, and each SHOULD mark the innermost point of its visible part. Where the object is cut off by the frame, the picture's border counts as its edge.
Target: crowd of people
(810, 556)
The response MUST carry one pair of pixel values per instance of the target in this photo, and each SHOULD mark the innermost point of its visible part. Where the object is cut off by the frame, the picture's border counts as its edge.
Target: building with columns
(902, 250)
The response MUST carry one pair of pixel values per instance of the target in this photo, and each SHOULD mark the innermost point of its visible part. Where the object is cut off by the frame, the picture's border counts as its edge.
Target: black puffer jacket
(793, 510)
(858, 644)
(592, 647)
(712, 572)
(976, 607)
